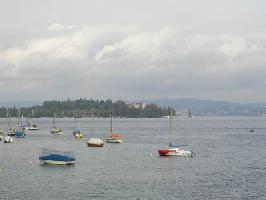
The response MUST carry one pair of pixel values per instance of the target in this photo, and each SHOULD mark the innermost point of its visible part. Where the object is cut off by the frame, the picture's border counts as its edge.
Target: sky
(132, 50)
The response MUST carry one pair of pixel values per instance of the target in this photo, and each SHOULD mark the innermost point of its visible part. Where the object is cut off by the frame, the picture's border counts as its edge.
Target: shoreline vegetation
(89, 108)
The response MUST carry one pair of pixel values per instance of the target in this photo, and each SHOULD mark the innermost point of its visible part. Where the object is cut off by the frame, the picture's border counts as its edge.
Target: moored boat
(95, 142)
(8, 139)
(20, 134)
(174, 150)
(76, 131)
(11, 132)
(114, 138)
(55, 157)
(1, 135)
(32, 127)
(54, 129)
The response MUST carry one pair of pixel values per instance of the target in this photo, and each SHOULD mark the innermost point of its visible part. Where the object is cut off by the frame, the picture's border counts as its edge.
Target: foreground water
(230, 161)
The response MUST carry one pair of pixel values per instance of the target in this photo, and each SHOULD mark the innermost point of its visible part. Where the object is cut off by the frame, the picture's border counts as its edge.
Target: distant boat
(55, 157)
(174, 150)
(20, 132)
(1, 132)
(77, 132)
(33, 127)
(1, 135)
(54, 129)
(30, 126)
(8, 139)
(189, 113)
(95, 142)
(114, 137)
(10, 131)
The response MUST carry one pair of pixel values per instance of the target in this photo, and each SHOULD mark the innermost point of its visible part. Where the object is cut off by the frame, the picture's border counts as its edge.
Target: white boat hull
(114, 140)
(175, 152)
(8, 139)
(95, 142)
(56, 131)
(53, 162)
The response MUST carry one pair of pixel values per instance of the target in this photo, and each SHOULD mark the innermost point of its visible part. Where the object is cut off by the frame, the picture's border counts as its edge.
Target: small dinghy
(55, 157)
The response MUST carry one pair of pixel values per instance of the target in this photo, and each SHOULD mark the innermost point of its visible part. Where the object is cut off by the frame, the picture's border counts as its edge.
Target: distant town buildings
(140, 105)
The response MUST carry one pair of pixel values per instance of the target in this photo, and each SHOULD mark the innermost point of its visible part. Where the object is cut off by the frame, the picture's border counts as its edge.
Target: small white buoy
(151, 154)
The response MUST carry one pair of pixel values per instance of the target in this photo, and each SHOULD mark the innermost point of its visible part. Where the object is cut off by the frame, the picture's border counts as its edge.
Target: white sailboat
(95, 142)
(30, 126)
(54, 129)
(10, 131)
(8, 138)
(174, 150)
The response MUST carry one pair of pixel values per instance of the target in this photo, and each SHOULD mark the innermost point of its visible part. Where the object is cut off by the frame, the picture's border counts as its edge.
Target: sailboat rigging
(174, 150)
(77, 132)
(54, 129)
(114, 137)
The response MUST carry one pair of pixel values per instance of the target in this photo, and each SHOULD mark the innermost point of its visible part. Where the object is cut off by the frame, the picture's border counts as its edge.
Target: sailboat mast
(111, 120)
(171, 113)
(8, 120)
(54, 120)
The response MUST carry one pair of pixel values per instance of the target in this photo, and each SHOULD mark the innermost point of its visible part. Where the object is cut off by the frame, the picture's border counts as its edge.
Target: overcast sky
(141, 49)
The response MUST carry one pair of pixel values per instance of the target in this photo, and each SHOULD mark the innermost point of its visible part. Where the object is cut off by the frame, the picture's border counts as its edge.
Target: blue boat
(76, 130)
(20, 134)
(55, 157)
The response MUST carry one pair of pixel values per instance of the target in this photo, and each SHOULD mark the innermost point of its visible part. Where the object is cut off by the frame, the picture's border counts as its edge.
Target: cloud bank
(129, 62)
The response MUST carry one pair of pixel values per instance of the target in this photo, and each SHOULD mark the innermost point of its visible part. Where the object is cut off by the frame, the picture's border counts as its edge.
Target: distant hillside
(210, 107)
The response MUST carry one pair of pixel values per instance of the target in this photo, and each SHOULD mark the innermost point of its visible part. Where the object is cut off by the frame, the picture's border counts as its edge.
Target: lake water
(230, 161)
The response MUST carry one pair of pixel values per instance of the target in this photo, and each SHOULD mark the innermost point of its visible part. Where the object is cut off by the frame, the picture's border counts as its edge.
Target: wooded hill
(88, 108)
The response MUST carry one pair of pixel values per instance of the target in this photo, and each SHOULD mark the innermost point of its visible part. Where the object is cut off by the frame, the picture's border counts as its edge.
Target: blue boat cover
(176, 146)
(47, 154)
(76, 130)
(20, 134)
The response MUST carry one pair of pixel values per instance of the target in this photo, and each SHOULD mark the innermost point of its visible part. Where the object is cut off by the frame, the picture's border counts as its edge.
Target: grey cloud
(115, 61)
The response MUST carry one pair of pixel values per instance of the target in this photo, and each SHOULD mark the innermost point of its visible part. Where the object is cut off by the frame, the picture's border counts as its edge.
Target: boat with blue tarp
(20, 134)
(55, 157)
(77, 131)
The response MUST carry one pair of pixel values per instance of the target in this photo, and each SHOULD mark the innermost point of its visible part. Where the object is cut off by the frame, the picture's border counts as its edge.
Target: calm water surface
(230, 161)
